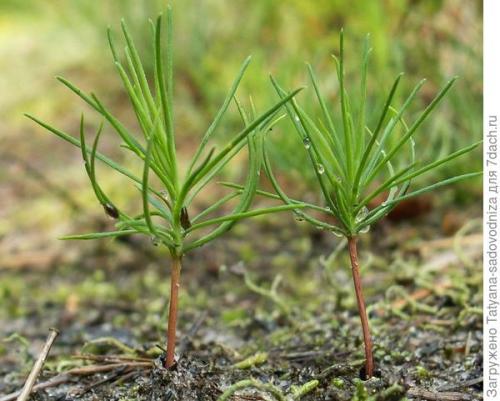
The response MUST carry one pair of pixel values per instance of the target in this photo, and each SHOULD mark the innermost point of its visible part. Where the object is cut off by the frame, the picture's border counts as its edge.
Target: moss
(422, 373)
(254, 360)
(235, 316)
(361, 393)
(338, 382)
(299, 391)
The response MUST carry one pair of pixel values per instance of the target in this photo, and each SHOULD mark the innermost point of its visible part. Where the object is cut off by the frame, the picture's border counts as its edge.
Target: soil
(277, 303)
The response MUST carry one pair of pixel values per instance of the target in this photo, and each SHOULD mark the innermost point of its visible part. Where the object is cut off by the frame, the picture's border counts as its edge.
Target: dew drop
(297, 119)
(361, 214)
(164, 194)
(321, 169)
(307, 142)
(360, 217)
(364, 230)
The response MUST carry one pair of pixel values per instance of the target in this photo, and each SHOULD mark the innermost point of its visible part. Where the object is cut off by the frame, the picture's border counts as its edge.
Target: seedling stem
(172, 312)
(356, 277)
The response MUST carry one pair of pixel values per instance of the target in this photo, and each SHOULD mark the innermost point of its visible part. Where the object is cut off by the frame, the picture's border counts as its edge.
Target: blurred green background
(43, 189)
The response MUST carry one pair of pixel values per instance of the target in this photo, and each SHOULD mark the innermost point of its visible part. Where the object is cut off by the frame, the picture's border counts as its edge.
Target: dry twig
(83, 371)
(37, 367)
(424, 394)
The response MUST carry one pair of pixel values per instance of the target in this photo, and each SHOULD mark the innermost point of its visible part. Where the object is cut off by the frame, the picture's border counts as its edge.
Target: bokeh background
(118, 288)
(43, 187)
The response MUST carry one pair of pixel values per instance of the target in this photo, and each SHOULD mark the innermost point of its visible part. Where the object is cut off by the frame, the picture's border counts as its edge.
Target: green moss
(255, 360)
(361, 393)
(338, 382)
(234, 316)
(423, 373)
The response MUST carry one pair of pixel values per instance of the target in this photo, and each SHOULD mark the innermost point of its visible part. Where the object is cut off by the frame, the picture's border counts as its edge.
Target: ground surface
(422, 286)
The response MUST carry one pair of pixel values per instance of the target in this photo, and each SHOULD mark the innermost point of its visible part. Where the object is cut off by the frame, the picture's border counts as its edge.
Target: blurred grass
(434, 39)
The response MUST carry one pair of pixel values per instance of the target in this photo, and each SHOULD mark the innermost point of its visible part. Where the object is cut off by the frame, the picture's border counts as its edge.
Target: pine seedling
(354, 164)
(165, 216)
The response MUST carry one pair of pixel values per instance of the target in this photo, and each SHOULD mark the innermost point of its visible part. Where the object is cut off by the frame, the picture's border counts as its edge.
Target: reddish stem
(172, 312)
(353, 253)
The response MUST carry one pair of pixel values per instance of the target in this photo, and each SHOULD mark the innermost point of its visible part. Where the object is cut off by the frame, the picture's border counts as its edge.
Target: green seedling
(354, 165)
(166, 200)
